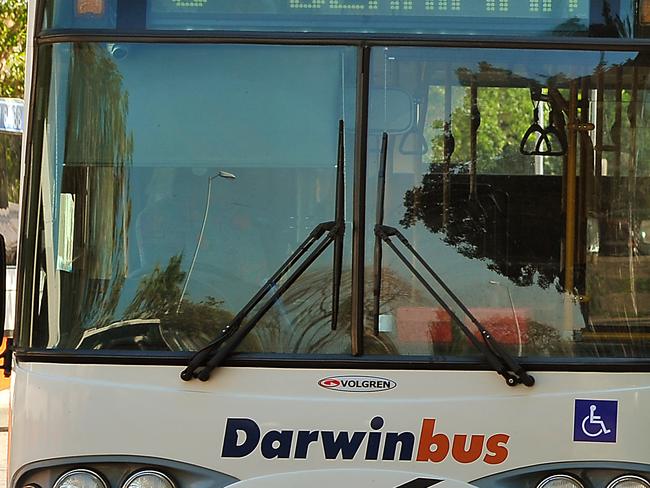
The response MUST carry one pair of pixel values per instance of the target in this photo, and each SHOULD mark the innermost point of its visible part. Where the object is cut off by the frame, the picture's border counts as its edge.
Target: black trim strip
(30, 195)
(40, 18)
(288, 361)
(370, 40)
(359, 200)
(420, 483)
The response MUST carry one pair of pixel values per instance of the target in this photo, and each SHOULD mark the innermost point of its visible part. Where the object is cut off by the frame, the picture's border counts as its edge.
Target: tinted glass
(176, 179)
(523, 180)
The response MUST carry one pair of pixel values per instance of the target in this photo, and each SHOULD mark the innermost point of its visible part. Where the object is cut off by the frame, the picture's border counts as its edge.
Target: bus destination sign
(507, 9)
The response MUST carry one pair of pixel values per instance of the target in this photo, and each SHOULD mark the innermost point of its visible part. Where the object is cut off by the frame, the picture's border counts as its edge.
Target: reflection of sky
(233, 105)
(534, 65)
(268, 114)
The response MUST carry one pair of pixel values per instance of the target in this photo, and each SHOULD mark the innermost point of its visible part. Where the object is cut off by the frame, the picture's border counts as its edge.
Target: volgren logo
(357, 383)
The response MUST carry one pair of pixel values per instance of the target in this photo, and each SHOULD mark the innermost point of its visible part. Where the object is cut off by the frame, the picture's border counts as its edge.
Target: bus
(360, 243)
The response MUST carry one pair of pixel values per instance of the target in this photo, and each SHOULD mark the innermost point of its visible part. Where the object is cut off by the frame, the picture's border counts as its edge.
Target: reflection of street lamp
(514, 313)
(220, 174)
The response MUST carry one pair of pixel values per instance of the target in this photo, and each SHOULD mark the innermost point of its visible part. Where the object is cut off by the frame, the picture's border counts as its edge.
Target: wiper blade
(381, 192)
(211, 356)
(497, 357)
(339, 218)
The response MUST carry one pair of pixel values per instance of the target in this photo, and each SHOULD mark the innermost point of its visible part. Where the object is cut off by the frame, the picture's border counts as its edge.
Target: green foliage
(506, 113)
(159, 292)
(188, 327)
(13, 36)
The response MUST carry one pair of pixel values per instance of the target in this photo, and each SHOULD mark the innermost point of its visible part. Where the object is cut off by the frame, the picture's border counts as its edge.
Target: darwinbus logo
(363, 384)
(243, 436)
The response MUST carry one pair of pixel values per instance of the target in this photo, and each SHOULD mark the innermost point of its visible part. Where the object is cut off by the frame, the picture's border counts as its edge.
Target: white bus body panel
(80, 410)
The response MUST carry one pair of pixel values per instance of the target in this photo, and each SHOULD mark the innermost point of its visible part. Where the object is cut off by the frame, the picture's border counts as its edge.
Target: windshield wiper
(339, 218)
(497, 357)
(204, 361)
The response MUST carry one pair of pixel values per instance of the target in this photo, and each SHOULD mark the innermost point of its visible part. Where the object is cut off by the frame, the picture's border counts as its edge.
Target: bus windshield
(162, 214)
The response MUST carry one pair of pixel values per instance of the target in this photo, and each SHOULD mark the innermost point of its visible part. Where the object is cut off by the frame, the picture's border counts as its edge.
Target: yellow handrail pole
(631, 188)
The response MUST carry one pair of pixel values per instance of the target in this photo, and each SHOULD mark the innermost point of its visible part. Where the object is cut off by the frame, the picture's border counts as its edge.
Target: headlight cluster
(85, 478)
(557, 481)
(567, 481)
(629, 481)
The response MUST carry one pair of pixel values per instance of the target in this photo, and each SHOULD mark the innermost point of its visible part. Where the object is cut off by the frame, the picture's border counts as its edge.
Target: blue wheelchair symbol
(595, 420)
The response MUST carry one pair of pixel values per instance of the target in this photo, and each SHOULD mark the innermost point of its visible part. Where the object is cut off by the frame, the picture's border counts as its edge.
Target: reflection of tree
(505, 116)
(496, 221)
(99, 149)
(158, 293)
(187, 328)
(497, 224)
(613, 25)
(300, 322)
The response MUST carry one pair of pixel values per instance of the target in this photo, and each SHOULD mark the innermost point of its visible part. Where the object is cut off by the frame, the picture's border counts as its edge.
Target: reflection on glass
(154, 251)
(528, 192)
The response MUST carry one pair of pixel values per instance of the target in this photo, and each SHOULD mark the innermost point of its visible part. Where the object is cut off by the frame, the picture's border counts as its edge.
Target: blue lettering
(250, 429)
(342, 444)
(374, 438)
(305, 438)
(407, 441)
(283, 448)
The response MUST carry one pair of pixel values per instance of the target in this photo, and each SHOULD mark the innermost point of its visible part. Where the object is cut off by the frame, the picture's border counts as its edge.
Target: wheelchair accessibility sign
(595, 420)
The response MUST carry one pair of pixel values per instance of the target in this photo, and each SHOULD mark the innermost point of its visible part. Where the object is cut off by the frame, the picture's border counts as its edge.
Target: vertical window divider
(359, 199)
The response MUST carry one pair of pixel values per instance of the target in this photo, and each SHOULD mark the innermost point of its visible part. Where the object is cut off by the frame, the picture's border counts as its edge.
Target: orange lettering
(470, 455)
(428, 439)
(496, 446)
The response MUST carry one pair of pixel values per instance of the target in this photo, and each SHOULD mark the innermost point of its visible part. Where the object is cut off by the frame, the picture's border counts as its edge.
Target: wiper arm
(498, 358)
(204, 361)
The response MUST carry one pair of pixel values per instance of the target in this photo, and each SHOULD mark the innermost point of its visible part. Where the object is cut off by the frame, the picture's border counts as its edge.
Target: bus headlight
(80, 478)
(562, 481)
(629, 481)
(148, 479)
